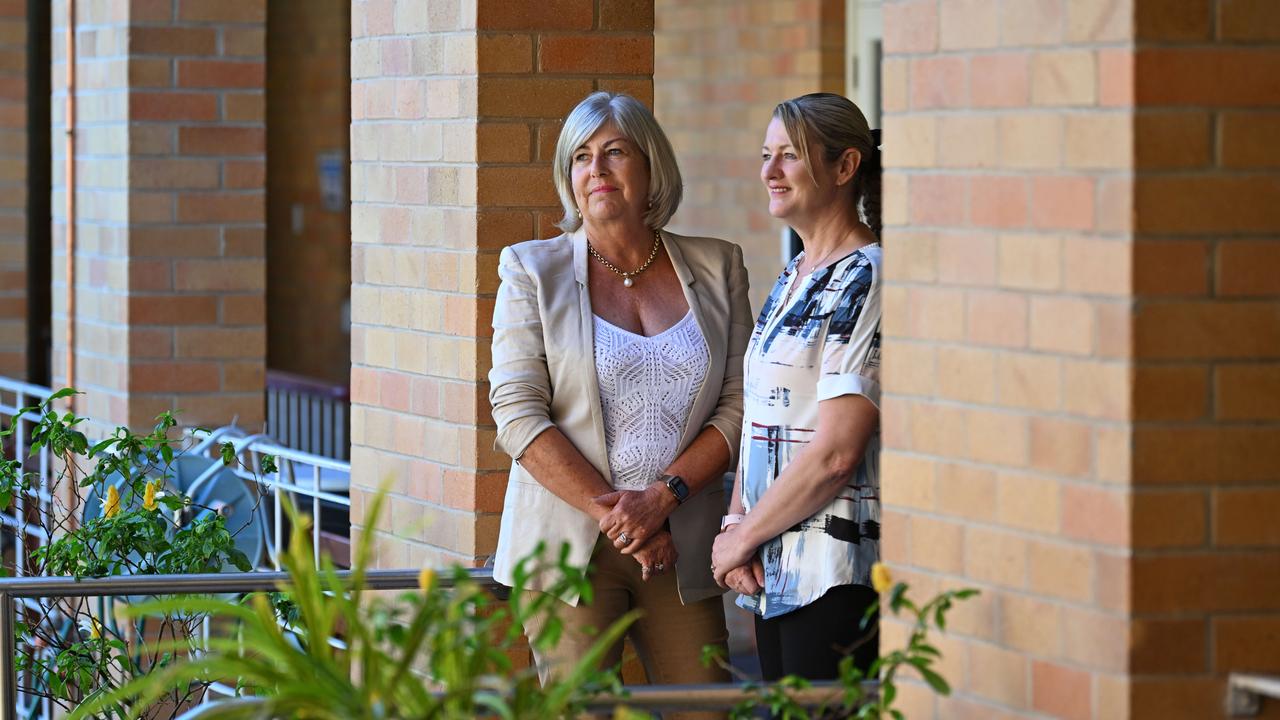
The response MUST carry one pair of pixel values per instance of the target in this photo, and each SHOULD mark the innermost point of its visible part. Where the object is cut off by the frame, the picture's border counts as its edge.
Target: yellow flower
(92, 626)
(881, 580)
(426, 579)
(111, 503)
(149, 495)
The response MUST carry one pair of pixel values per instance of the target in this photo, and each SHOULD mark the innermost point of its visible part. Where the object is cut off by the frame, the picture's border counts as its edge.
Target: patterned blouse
(822, 343)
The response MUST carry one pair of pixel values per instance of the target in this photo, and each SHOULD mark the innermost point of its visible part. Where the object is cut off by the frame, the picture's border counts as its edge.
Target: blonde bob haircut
(640, 127)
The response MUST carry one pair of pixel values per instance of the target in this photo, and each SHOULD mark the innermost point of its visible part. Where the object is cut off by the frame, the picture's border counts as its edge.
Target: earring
(577, 212)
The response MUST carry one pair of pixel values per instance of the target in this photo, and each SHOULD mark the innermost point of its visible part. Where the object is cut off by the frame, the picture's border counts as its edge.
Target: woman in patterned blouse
(804, 523)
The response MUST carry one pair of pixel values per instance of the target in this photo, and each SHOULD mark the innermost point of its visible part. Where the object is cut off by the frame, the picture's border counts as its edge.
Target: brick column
(1206, 342)
(170, 209)
(13, 190)
(455, 110)
(1082, 335)
(721, 67)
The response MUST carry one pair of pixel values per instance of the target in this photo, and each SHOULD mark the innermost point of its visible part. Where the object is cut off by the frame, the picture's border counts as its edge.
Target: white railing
(308, 415)
(20, 529)
(314, 483)
(310, 481)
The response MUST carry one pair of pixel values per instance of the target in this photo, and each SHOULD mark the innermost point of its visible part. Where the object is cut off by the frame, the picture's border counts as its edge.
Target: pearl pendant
(627, 282)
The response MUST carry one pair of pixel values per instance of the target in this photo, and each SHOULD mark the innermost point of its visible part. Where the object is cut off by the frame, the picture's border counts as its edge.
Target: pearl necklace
(626, 276)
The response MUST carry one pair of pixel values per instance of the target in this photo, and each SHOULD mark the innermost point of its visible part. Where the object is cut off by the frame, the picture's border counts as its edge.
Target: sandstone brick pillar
(455, 112)
(1082, 345)
(13, 190)
(170, 172)
(721, 67)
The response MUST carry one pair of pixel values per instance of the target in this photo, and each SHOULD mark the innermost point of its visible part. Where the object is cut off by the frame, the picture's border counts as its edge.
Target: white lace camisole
(647, 388)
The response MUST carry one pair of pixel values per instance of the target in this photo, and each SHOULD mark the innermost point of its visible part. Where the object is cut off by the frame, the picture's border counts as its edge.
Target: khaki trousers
(668, 638)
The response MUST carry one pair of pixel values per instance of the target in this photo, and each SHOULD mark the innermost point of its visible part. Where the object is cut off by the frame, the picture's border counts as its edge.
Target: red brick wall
(170, 209)
(13, 189)
(720, 68)
(1081, 330)
(308, 113)
(1206, 343)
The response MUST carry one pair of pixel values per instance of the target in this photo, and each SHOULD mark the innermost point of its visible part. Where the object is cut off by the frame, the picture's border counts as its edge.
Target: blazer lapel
(714, 341)
(587, 348)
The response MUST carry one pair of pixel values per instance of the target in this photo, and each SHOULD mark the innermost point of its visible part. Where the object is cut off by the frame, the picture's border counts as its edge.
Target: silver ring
(625, 540)
(660, 567)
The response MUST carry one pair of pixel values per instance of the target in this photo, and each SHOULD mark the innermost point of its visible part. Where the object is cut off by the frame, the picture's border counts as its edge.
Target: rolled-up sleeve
(519, 384)
(728, 415)
(851, 353)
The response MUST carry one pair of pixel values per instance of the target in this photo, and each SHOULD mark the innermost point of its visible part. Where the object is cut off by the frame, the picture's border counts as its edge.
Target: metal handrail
(648, 697)
(1245, 693)
(12, 589)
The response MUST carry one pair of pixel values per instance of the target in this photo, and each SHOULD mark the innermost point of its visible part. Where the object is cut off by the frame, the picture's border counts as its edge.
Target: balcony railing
(315, 484)
(308, 415)
(31, 511)
(656, 698)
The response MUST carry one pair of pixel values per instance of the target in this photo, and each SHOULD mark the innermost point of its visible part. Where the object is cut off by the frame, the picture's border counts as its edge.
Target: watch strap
(731, 519)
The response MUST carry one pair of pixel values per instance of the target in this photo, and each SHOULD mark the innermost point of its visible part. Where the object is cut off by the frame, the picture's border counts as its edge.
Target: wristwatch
(677, 486)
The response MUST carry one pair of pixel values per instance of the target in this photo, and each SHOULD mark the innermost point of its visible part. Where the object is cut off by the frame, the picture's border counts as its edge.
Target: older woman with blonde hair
(617, 391)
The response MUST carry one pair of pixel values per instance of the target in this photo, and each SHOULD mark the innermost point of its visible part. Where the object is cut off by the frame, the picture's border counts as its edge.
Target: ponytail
(870, 186)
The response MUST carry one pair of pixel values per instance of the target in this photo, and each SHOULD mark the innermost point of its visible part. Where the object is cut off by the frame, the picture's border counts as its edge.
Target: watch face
(678, 486)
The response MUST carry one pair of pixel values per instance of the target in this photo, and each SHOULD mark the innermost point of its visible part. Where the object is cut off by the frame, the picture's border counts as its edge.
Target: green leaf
(897, 597)
(550, 635)
(712, 655)
(935, 680)
(870, 616)
(926, 649)
(240, 560)
(64, 392)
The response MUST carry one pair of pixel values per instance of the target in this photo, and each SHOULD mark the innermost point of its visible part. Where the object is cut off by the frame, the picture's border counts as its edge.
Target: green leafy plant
(854, 698)
(321, 647)
(440, 652)
(74, 649)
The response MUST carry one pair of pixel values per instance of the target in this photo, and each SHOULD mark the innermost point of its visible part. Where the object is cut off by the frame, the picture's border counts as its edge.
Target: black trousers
(811, 641)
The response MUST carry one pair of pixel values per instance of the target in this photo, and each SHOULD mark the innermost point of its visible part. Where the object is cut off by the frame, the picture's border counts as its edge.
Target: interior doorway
(309, 225)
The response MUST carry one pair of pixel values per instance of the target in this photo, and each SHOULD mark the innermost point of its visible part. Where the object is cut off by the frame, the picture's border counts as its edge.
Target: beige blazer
(544, 375)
